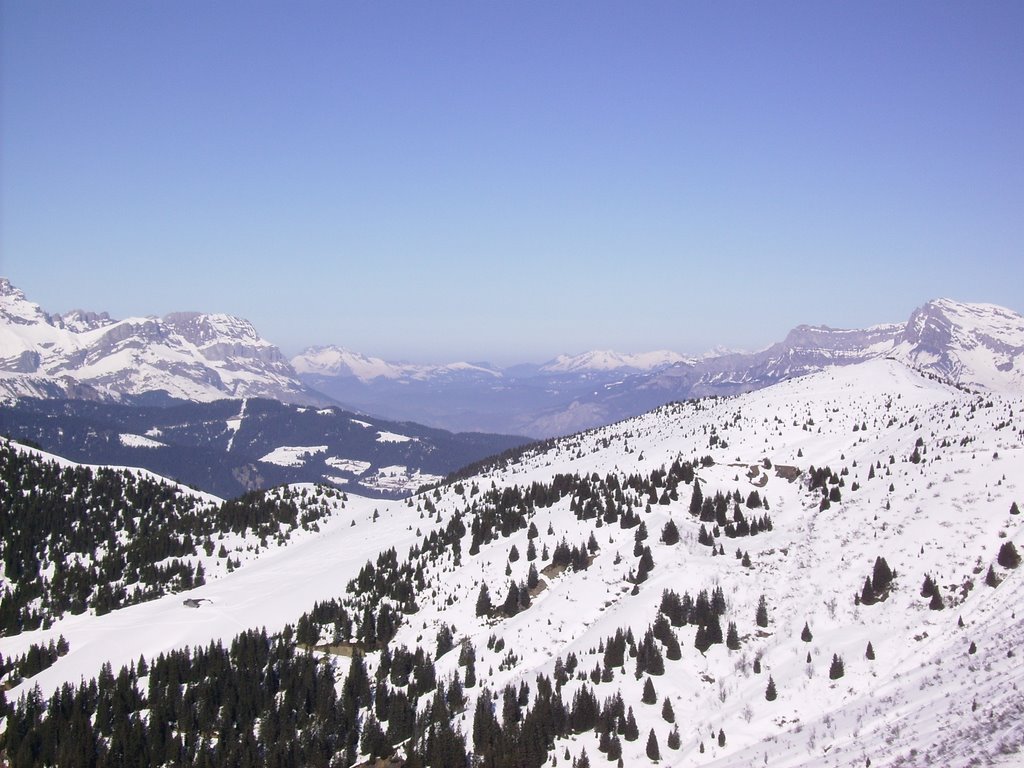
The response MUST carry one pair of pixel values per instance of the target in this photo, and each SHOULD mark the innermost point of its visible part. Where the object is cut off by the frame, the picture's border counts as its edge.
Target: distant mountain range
(207, 357)
(973, 345)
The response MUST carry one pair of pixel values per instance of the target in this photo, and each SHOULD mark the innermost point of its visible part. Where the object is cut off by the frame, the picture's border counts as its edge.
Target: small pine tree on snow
(732, 638)
(869, 654)
(673, 739)
(770, 692)
(973, 648)
(990, 578)
(670, 533)
(757, 665)
(704, 538)
(1014, 509)
(806, 635)
(762, 613)
(721, 737)
(928, 587)
(483, 601)
(513, 554)
(630, 732)
(614, 750)
(1008, 555)
(697, 499)
(836, 670)
(667, 712)
(584, 761)
(936, 603)
(652, 746)
(650, 695)
(867, 595)
(881, 576)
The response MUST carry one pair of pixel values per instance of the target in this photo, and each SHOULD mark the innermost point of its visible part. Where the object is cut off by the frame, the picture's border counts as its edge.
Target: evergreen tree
(631, 732)
(836, 670)
(650, 696)
(1008, 555)
(869, 654)
(732, 638)
(445, 641)
(670, 533)
(806, 635)
(697, 499)
(652, 746)
(532, 578)
(867, 594)
(928, 587)
(721, 737)
(667, 713)
(673, 739)
(483, 602)
(614, 747)
(762, 613)
(770, 693)
(881, 576)
(990, 578)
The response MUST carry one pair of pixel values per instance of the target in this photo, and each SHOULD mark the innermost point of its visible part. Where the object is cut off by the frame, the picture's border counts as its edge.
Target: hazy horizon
(507, 183)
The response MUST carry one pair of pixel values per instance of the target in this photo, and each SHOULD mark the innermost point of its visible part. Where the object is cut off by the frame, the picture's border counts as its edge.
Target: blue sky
(508, 181)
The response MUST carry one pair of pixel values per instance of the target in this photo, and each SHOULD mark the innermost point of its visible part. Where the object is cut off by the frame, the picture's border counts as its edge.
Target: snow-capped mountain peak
(970, 344)
(609, 360)
(335, 361)
(332, 360)
(191, 355)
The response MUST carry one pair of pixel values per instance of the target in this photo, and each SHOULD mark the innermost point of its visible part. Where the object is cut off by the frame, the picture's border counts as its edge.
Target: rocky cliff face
(191, 356)
(976, 345)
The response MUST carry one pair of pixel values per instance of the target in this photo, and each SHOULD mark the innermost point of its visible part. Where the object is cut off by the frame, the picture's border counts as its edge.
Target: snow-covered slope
(919, 472)
(188, 356)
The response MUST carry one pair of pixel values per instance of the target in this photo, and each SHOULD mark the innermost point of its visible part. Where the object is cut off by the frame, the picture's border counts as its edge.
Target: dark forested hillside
(74, 538)
(227, 447)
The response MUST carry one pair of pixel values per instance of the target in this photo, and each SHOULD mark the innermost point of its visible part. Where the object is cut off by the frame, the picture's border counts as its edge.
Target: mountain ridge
(204, 357)
(188, 355)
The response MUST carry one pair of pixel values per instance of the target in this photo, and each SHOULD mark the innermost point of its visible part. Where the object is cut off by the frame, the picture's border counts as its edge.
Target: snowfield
(292, 455)
(928, 474)
(139, 441)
